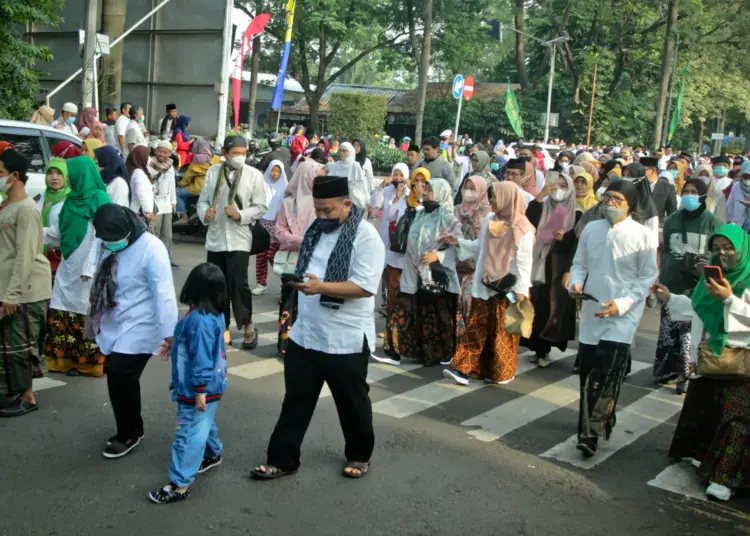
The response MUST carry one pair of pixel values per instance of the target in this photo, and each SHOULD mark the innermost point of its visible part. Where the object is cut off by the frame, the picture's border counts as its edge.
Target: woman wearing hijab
(678, 169)
(429, 284)
(296, 213)
(686, 233)
(181, 139)
(399, 308)
(715, 200)
(114, 174)
(87, 119)
(65, 149)
(89, 146)
(133, 311)
(50, 204)
(472, 211)
(503, 256)
(361, 157)
(67, 350)
(738, 211)
(713, 432)
(44, 115)
(142, 188)
(585, 197)
(276, 184)
(192, 183)
(553, 214)
(360, 189)
(385, 199)
(324, 146)
(480, 165)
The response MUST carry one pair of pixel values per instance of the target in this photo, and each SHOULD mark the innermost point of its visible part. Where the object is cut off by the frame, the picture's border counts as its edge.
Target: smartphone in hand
(713, 272)
(291, 278)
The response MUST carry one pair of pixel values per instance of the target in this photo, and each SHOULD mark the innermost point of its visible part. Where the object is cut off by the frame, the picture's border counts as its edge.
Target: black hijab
(361, 156)
(702, 188)
(114, 222)
(112, 164)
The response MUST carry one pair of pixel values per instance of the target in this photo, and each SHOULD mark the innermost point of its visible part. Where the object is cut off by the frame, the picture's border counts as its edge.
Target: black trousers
(304, 374)
(234, 264)
(123, 382)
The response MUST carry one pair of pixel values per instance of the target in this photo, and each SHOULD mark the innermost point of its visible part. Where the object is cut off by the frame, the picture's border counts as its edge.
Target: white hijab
(278, 188)
(348, 168)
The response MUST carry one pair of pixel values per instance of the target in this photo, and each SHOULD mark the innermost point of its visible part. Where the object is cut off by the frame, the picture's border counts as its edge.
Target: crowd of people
(475, 256)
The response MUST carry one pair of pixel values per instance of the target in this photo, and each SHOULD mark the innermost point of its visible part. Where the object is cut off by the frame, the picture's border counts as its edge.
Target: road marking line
(258, 369)
(441, 391)
(521, 411)
(377, 372)
(40, 384)
(681, 478)
(633, 422)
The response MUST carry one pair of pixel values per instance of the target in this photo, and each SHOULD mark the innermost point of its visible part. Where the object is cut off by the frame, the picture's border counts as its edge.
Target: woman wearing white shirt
(504, 257)
(114, 174)
(134, 135)
(142, 198)
(165, 195)
(713, 431)
(133, 311)
(361, 157)
(50, 205)
(360, 188)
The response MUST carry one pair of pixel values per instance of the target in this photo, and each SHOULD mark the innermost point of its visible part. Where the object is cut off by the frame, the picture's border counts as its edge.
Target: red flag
(256, 26)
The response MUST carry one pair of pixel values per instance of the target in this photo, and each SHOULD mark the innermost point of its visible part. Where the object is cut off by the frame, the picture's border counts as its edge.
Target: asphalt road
(483, 460)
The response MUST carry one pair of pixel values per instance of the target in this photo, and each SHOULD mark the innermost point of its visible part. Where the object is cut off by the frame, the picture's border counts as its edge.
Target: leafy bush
(384, 158)
(356, 115)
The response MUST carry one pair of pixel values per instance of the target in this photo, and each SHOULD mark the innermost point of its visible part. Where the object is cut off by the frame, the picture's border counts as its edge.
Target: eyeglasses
(609, 199)
(728, 250)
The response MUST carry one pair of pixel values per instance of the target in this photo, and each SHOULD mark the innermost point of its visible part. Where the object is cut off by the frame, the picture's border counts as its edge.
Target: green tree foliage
(353, 115)
(19, 81)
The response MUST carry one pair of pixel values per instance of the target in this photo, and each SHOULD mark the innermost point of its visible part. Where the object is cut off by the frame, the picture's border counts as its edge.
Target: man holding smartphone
(616, 262)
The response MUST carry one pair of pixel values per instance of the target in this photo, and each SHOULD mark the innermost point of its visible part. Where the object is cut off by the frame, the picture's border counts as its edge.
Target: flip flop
(266, 475)
(363, 467)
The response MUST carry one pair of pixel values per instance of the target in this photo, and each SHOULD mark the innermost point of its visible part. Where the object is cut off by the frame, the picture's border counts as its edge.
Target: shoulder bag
(261, 238)
(732, 364)
(285, 262)
(400, 236)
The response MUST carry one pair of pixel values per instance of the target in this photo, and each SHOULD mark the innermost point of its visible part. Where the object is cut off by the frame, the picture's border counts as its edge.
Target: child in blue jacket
(199, 378)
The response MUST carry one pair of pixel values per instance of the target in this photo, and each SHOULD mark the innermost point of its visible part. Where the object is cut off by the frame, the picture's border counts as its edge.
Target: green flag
(678, 108)
(513, 112)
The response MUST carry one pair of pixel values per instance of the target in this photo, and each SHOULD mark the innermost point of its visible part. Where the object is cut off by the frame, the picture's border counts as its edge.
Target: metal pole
(221, 129)
(553, 51)
(458, 116)
(667, 120)
(95, 74)
(591, 110)
(89, 52)
(111, 44)
(278, 119)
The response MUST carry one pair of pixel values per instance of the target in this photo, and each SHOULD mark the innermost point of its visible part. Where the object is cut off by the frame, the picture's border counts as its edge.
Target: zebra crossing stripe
(502, 420)
(633, 422)
(257, 369)
(681, 478)
(40, 384)
(442, 391)
(377, 372)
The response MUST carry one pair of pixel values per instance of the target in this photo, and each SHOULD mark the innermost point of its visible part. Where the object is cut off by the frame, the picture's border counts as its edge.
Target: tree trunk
(701, 131)
(254, 68)
(113, 25)
(720, 121)
(666, 70)
(424, 68)
(314, 104)
(523, 78)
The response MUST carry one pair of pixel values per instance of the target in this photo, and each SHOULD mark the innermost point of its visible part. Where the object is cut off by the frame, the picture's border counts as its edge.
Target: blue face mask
(329, 225)
(70, 120)
(691, 202)
(721, 171)
(675, 173)
(494, 166)
(117, 245)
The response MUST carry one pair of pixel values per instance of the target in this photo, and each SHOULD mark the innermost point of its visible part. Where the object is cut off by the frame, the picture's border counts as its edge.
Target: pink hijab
(509, 207)
(471, 215)
(298, 200)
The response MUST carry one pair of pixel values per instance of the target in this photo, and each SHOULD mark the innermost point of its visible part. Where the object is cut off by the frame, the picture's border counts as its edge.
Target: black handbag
(400, 236)
(440, 281)
(501, 286)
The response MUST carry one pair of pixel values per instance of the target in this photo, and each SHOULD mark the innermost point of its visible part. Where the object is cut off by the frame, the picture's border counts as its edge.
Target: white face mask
(4, 186)
(236, 162)
(470, 196)
(558, 195)
(600, 191)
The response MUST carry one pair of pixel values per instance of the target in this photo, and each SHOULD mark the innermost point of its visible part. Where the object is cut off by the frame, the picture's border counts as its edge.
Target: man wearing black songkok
(613, 270)
(338, 272)
(662, 191)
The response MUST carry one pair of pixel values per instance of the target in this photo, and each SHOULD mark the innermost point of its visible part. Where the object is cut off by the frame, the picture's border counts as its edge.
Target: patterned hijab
(472, 214)
(201, 151)
(428, 227)
(509, 207)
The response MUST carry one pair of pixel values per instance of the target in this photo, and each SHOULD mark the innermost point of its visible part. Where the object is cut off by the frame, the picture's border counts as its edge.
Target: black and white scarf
(337, 270)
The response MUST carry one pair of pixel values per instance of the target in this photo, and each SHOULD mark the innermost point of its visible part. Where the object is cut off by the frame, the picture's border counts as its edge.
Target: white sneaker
(457, 377)
(543, 362)
(446, 363)
(386, 360)
(260, 290)
(717, 491)
(534, 359)
(504, 382)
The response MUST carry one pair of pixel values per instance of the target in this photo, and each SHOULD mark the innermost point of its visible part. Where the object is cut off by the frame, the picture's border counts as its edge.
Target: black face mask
(430, 206)
(329, 225)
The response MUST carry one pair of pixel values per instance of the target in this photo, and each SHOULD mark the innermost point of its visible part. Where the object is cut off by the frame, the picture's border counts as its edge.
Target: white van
(34, 142)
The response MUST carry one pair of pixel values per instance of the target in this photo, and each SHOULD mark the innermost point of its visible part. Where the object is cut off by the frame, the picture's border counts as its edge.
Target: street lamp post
(553, 51)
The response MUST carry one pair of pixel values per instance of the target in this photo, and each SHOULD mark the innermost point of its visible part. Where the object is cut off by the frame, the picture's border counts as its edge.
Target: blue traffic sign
(458, 86)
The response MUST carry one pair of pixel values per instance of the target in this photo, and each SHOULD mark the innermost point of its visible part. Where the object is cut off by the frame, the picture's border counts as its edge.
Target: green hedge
(356, 115)
(384, 158)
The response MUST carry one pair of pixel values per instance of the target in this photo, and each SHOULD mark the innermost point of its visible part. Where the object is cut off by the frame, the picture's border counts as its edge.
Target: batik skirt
(714, 428)
(427, 327)
(394, 323)
(485, 350)
(672, 347)
(22, 348)
(66, 349)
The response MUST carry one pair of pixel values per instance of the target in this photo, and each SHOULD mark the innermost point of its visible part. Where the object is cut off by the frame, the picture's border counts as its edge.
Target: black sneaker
(175, 266)
(17, 408)
(167, 495)
(209, 463)
(587, 445)
(116, 438)
(118, 448)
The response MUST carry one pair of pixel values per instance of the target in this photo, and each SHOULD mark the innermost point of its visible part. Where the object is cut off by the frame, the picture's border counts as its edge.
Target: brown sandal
(269, 472)
(362, 467)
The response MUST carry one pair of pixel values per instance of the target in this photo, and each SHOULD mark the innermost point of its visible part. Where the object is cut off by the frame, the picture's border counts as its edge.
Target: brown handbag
(732, 364)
